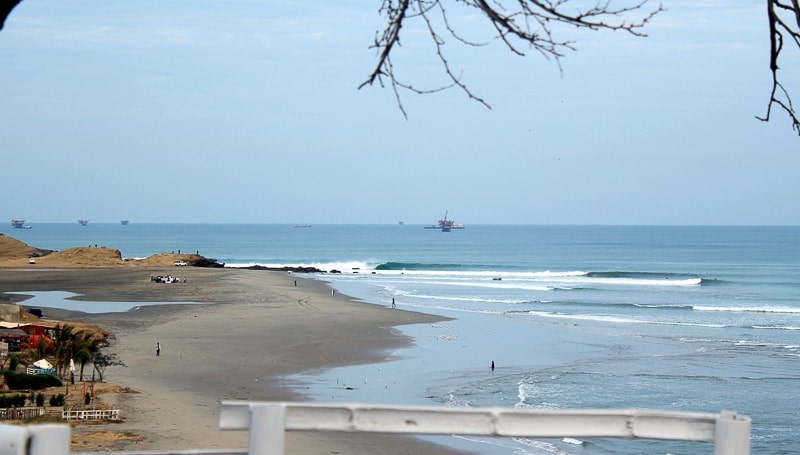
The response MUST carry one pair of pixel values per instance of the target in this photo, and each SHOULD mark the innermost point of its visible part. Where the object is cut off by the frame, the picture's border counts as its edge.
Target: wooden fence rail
(20, 413)
(90, 414)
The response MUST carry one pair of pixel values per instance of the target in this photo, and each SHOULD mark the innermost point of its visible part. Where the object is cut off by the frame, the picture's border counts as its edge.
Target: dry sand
(250, 328)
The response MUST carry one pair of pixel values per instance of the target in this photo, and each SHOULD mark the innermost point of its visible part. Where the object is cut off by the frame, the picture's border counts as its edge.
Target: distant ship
(124, 222)
(19, 224)
(83, 222)
(302, 225)
(445, 225)
(401, 222)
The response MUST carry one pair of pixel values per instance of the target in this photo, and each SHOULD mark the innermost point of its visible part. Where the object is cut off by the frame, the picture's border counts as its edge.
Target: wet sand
(248, 329)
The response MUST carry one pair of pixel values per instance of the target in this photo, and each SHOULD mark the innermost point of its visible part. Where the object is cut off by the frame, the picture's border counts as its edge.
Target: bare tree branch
(5, 9)
(531, 24)
(780, 15)
(518, 24)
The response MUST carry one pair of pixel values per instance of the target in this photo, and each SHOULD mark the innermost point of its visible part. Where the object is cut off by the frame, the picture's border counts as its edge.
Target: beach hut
(37, 334)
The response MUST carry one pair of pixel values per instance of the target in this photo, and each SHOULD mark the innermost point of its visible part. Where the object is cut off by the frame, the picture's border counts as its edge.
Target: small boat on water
(124, 222)
(302, 225)
(445, 225)
(19, 224)
(83, 222)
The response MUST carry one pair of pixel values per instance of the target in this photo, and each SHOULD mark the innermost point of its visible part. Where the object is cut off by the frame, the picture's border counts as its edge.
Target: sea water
(678, 318)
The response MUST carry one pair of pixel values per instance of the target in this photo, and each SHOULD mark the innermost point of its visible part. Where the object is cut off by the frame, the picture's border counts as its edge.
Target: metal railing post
(732, 434)
(267, 428)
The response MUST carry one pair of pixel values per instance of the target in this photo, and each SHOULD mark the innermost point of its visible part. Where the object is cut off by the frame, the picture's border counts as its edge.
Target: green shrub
(21, 381)
(13, 401)
(88, 399)
(13, 362)
(39, 400)
(57, 400)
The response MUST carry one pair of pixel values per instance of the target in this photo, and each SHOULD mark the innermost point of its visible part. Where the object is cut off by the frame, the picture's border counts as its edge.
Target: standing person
(392, 302)
(158, 349)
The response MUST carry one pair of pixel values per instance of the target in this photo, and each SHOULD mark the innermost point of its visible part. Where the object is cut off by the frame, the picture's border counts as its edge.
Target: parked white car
(179, 264)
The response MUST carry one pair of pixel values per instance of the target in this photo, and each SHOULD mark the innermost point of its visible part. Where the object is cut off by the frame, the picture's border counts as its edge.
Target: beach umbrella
(42, 364)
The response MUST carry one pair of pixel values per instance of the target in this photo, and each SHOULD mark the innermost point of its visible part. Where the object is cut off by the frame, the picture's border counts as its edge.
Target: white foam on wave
(451, 308)
(573, 441)
(525, 390)
(618, 319)
(531, 280)
(762, 344)
(540, 446)
(495, 285)
(775, 327)
(487, 274)
(491, 279)
(461, 299)
(488, 284)
(735, 309)
(645, 281)
(523, 446)
(586, 317)
(343, 266)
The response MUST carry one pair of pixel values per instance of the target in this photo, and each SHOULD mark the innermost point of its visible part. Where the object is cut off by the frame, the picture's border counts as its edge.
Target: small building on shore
(17, 334)
(10, 340)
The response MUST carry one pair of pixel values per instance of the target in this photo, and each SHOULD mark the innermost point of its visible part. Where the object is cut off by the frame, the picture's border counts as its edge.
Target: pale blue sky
(248, 112)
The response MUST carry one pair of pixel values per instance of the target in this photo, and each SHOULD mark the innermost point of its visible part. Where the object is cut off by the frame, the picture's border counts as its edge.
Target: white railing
(267, 423)
(90, 414)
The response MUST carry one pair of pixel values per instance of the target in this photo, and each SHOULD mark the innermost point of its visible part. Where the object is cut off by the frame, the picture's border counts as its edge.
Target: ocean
(689, 318)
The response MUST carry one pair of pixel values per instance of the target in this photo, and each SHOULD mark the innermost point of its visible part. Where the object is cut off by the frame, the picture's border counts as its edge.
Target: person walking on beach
(393, 302)
(158, 349)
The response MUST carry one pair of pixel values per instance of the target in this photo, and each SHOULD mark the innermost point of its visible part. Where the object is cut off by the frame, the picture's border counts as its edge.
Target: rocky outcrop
(286, 269)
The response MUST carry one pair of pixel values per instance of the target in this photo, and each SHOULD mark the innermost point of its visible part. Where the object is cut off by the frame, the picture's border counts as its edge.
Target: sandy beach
(248, 329)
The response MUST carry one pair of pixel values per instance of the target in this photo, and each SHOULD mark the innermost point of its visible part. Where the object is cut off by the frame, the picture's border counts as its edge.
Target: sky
(249, 111)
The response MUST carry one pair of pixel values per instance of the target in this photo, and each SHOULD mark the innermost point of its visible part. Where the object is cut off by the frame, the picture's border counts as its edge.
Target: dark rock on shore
(286, 269)
(206, 262)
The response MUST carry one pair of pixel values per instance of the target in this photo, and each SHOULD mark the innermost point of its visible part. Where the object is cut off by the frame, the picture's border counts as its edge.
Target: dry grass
(104, 440)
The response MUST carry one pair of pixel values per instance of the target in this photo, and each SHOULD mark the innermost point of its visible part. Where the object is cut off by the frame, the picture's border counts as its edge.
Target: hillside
(14, 253)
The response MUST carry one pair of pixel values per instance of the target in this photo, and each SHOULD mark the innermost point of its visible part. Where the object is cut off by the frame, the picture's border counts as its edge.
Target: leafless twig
(780, 15)
(519, 24)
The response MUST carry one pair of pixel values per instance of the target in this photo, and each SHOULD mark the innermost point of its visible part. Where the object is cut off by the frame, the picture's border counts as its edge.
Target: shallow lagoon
(65, 301)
